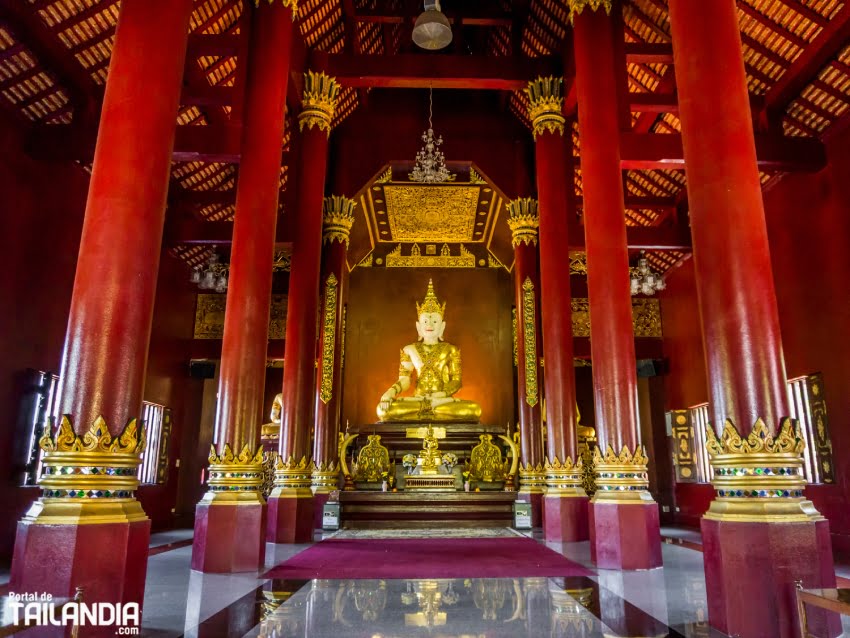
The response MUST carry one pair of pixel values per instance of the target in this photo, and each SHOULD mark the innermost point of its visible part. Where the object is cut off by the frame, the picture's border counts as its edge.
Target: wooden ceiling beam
(774, 152)
(473, 18)
(95, 9)
(212, 44)
(439, 71)
(49, 50)
(827, 45)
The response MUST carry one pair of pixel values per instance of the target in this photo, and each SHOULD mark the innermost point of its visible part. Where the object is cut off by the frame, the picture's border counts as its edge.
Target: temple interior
(392, 318)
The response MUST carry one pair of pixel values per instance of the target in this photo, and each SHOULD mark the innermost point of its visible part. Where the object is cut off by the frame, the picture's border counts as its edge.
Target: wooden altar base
(414, 510)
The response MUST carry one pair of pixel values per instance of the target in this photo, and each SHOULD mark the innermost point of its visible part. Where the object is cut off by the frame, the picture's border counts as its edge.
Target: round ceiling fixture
(432, 30)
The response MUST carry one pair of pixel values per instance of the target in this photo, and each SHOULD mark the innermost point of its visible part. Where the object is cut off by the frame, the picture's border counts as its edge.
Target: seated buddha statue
(438, 374)
(271, 431)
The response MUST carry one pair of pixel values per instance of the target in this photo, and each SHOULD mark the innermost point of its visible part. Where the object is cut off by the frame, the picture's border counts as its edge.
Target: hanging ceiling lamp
(644, 280)
(432, 29)
(430, 164)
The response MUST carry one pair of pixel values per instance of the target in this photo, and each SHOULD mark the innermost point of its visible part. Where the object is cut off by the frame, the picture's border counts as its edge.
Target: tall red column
(565, 504)
(760, 534)
(623, 517)
(337, 219)
(87, 530)
(230, 519)
(524, 221)
(291, 502)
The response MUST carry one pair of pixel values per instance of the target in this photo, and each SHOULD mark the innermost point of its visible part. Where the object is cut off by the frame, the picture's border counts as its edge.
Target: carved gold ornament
(337, 218)
(523, 220)
(578, 263)
(431, 213)
(529, 341)
(577, 6)
(328, 339)
(485, 461)
(621, 477)
(546, 103)
(292, 4)
(465, 259)
(373, 461)
(321, 93)
(564, 478)
(759, 477)
(430, 303)
(89, 478)
(209, 317)
(514, 335)
(646, 317)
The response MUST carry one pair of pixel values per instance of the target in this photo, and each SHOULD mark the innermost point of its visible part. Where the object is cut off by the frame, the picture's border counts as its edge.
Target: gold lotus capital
(337, 218)
(96, 439)
(546, 103)
(292, 464)
(577, 6)
(625, 457)
(523, 220)
(789, 439)
(318, 103)
(566, 465)
(246, 456)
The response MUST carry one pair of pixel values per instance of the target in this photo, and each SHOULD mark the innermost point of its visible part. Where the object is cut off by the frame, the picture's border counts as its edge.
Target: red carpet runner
(427, 558)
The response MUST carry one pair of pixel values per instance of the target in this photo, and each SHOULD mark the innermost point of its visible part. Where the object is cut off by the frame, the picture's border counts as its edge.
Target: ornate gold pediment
(431, 213)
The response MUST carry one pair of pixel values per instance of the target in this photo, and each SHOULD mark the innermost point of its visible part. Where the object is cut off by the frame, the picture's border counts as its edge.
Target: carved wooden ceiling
(54, 60)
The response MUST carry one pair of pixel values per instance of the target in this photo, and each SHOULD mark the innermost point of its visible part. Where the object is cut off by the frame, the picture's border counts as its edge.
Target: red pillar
(291, 503)
(624, 519)
(337, 219)
(760, 535)
(230, 519)
(99, 540)
(523, 220)
(565, 504)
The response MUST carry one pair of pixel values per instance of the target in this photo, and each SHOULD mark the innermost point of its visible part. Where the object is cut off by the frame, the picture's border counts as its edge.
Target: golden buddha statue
(271, 431)
(438, 373)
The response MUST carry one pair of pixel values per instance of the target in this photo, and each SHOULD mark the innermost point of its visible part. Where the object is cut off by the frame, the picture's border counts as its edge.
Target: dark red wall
(808, 218)
(41, 212)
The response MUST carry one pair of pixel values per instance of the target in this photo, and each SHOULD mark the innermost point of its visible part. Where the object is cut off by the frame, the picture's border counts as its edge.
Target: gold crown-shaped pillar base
(621, 478)
(532, 479)
(292, 474)
(564, 478)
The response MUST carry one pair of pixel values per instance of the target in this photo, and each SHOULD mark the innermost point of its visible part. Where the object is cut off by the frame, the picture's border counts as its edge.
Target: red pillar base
(109, 561)
(750, 574)
(319, 500)
(290, 516)
(229, 537)
(625, 535)
(565, 518)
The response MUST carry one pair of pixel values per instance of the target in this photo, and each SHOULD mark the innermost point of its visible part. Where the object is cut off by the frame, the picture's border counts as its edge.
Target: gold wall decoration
(366, 262)
(578, 263)
(328, 339)
(529, 341)
(342, 337)
(417, 260)
(546, 103)
(318, 103)
(282, 261)
(823, 444)
(431, 213)
(646, 317)
(514, 334)
(475, 178)
(164, 437)
(485, 461)
(684, 455)
(209, 317)
(386, 177)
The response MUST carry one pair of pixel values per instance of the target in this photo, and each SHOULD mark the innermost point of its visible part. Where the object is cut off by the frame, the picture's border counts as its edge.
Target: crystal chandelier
(430, 163)
(212, 275)
(645, 281)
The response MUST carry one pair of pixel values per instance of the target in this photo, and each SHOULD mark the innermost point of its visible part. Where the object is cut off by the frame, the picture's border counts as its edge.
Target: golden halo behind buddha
(430, 303)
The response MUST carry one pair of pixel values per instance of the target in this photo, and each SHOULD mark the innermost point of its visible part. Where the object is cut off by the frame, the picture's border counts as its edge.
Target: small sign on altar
(330, 515)
(522, 515)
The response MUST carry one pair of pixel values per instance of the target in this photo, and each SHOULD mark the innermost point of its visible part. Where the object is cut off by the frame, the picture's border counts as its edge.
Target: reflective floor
(669, 601)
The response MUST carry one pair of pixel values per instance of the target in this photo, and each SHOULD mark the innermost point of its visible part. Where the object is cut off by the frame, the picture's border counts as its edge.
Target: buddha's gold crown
(431, 303)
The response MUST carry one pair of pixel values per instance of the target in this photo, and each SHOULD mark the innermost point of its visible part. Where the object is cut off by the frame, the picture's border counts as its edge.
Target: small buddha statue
(438, 374)
(271, 431)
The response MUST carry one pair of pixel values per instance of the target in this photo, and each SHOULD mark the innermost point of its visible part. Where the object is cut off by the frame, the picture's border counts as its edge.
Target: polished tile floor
(669, 601)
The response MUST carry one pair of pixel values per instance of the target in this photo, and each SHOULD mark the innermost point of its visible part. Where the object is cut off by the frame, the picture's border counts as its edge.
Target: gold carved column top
(292, 4)
(546, 105)
(337, 218)
(318, 105)
(577, 6)
(523, 221)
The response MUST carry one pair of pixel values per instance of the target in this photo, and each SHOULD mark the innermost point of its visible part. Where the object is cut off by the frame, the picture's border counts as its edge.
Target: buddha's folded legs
(452, 410)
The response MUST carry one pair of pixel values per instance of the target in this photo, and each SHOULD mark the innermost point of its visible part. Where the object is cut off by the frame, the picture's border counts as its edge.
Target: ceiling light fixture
(432, 30)
(430, 164)
(644, 280)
